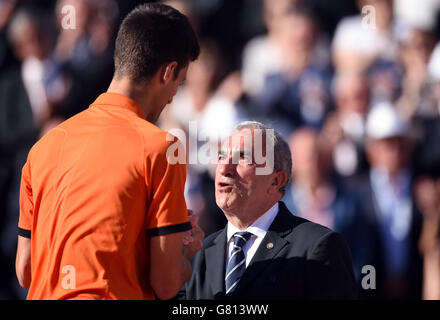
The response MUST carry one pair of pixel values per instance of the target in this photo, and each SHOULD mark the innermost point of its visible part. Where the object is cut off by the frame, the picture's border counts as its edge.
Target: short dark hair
(151, 35)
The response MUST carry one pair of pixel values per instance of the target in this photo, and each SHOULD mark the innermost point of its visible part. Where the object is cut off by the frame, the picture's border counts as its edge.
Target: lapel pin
(269, 245)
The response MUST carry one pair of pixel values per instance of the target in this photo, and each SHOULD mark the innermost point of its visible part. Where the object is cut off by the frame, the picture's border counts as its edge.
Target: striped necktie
(237, 261)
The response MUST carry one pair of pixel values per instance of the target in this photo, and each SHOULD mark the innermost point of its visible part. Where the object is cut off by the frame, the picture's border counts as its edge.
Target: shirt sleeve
(167, 211)
(26, 203)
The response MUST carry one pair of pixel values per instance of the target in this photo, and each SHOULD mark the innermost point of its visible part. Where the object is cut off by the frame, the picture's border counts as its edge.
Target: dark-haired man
(102, 212)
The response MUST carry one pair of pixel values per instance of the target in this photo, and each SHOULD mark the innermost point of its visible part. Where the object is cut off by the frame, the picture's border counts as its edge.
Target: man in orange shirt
(102, 211)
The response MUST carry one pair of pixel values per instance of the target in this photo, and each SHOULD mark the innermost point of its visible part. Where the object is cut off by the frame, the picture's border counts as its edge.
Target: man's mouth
(224, 185)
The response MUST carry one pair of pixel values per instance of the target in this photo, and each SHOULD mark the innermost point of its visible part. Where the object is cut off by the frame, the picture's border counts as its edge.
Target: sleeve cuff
(24, 233)
(181, 227)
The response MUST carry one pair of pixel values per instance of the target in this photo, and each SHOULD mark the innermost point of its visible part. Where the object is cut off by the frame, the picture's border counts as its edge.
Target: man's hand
(187, 236)
(192, 240)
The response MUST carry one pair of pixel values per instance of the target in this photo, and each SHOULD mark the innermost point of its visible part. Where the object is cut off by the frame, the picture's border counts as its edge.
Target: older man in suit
(265, 252)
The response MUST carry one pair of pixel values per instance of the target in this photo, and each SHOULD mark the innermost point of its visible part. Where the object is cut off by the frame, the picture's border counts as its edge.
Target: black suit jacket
(306, 261)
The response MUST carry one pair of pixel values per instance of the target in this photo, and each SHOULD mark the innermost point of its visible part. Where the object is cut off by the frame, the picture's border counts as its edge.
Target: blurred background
(352, 85)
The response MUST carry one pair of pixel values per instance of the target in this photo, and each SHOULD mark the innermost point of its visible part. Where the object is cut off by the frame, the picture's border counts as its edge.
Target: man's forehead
(239, 140)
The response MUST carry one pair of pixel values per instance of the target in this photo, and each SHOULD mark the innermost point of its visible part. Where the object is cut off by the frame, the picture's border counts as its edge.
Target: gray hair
(282, 154)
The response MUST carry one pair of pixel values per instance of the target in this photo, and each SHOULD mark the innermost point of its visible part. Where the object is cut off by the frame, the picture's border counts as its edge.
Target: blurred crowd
(352, 85)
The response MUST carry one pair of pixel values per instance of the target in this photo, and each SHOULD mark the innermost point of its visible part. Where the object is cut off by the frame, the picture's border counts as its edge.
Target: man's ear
(168, 71)
(278, 180)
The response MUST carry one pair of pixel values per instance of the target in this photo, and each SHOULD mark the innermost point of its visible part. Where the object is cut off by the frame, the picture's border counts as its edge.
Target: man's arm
(23, 262)
(170, 266)
(23, 256)
(329, 270)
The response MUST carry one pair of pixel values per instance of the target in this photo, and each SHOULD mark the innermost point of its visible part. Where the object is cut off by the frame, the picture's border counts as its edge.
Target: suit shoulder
(302, 230)
(321, 240)
(309, 234)
(311, 229)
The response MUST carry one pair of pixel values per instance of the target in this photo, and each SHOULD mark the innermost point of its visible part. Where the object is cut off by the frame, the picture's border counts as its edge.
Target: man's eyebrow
(241, 153)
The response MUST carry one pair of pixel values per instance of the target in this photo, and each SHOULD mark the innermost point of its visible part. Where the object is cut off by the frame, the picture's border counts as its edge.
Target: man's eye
(246, 159)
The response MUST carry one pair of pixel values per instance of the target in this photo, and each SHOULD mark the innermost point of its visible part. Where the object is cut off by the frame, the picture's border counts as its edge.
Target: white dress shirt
(258, 230)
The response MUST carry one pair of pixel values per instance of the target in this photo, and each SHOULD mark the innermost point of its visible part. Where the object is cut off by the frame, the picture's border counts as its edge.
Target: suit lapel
(215, 256)
(271, 245)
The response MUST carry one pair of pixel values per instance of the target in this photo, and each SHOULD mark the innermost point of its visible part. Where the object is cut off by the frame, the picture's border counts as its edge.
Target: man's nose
(226, 167)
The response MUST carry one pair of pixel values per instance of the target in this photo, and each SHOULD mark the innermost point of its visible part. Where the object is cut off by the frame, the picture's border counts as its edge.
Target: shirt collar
(119, 100)
(259, 227)
(380, 178)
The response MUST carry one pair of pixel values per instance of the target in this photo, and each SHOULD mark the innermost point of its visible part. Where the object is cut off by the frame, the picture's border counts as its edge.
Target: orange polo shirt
(93, 191)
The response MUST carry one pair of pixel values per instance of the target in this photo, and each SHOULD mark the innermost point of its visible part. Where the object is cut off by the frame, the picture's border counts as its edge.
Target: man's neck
(259, 226)
(246, 218)
(138, 92)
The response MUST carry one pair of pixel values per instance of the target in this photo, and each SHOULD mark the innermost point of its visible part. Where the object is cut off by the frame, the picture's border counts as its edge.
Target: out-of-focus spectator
(434, 80)
(86, 51)
(278, 49)
(187, 8)
(318, 195)
(415, 49)
(344, 129)
(222, 20)
(421, 14)
(427, 124)
(299, 94)
(384, 80)
(262, 55)
(7, 58)
(427, 187)
(92, 32)
(311, 194)
(361, 39)
(386, 194)
(70, 43)
(7, 8)
(427, 191)
(32, 40)
(25, 108)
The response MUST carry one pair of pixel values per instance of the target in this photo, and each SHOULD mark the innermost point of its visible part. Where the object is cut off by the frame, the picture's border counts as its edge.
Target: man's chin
(225, 201)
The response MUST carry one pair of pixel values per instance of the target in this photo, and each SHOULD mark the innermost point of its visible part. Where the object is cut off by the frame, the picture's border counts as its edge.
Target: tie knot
(240, 238)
